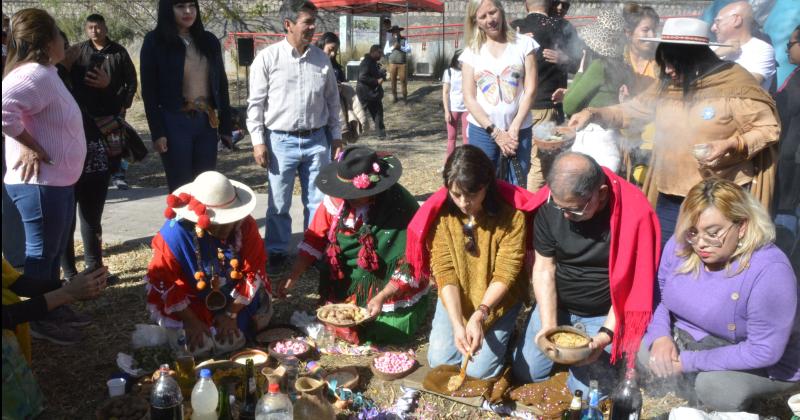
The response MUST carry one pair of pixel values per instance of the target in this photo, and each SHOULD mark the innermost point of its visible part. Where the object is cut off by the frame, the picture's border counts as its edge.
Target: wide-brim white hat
(225, 200)
(687, 31)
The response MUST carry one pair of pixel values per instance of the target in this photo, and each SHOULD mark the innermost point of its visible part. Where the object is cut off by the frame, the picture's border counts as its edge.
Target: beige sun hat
(223, 200)
(605, 36)
(687, 31)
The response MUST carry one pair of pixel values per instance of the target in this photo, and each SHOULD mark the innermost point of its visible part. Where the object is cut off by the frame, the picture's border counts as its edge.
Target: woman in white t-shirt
(499, 70)
(455, 112)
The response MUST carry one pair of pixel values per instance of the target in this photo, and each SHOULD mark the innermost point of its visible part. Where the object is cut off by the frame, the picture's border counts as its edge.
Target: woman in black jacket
(369, 87)
(185, 92)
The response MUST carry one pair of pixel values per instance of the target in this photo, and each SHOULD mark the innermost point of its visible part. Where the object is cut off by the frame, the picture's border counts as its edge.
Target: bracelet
(484, 310)
(607, 331)
(740, 145)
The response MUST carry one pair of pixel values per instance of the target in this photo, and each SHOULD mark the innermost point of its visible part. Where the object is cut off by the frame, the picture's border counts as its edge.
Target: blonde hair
(738, 206)
(474, 37)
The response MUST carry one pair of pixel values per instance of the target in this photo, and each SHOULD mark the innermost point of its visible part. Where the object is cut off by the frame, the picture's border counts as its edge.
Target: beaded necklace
(200, 274)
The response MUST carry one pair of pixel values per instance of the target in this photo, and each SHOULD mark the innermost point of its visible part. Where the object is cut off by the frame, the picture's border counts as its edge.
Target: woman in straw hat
(712, 119)
(360, 235)
(208, 268)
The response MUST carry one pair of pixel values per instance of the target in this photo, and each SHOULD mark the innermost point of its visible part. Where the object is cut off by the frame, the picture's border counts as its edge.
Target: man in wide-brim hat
(358, 236)
(208, 272)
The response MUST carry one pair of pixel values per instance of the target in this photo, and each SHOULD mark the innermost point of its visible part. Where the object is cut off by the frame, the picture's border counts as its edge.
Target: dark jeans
(90, 198)
(47, 213)
(479, 138)
(375, 109)
(667, 209)
(13, 233)
(191, 147)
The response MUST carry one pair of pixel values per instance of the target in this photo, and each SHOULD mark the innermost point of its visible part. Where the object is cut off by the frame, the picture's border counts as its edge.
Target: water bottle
(593, 412)
(205, 398)
(274, 405)
(292, 366)
(166, 398)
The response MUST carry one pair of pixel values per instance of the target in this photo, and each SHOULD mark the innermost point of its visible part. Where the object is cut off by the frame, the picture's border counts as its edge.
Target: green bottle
(224, 409)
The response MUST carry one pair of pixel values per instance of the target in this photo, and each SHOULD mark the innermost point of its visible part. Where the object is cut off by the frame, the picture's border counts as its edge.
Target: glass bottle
(250, 397)
(224, 409)
(575, 407)
(593, 411)
(626, 400)
(184, 364)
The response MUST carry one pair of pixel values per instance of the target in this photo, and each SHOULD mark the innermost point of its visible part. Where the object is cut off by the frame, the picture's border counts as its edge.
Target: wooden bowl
(281, 356)
(346, 324)
(255, 354)
(391, 376)
(561, 354)
(346, 377)
(104, 411)
(276, 333)
(561, 140)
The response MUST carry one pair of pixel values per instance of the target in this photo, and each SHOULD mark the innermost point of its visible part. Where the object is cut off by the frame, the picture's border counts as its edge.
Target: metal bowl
(560, 354)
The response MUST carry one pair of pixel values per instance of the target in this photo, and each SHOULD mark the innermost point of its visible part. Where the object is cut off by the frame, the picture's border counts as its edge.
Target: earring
(738, 244)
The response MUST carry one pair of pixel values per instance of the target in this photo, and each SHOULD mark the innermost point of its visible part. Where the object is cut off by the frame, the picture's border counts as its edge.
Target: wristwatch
(489, 129)
(607, 331)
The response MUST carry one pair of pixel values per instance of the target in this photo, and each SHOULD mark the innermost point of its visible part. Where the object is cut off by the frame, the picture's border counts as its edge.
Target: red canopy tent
(380, 6)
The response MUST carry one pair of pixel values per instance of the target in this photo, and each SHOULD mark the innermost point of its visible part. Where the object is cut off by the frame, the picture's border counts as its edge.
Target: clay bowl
(561, 140)
(276, 333)
(346, 377)
(260, 357)
(386, 376)
(562, 354)
(282, 356)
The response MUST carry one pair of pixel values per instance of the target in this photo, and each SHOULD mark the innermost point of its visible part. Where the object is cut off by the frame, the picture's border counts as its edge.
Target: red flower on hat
(362, 181)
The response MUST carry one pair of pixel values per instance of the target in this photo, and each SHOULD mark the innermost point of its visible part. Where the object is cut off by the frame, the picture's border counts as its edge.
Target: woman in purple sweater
(727, 322)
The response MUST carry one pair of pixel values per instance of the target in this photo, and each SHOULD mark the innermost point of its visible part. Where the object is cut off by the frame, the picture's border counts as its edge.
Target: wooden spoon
(455, 381)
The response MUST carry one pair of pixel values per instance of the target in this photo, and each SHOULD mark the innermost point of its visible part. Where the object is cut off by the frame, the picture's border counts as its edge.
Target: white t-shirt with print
(758, 57)
(500, 80)
(453, 78)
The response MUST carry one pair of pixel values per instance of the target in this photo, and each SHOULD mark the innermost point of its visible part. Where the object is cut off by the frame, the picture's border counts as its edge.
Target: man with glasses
(596, 243)
(734, 25)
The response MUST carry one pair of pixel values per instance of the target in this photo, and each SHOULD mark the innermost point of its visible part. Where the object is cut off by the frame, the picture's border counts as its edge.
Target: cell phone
(96, 60)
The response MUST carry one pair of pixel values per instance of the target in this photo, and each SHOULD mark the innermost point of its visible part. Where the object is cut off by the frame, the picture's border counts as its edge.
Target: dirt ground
(73, 378)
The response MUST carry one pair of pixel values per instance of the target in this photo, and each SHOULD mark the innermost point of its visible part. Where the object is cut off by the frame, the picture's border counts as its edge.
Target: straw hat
(211, 199)
(688, 31)
(359, 172)
(605, 35)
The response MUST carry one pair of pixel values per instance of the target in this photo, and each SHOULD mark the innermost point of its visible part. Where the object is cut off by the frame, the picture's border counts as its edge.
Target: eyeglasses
(574, 213)
(469, 233)
(790, 45)
(715, 239)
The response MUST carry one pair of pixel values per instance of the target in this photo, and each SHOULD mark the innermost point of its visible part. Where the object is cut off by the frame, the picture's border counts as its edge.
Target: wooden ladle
(455, 381)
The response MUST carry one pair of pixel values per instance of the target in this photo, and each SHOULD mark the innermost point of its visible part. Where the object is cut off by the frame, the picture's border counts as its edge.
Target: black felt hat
(359, 172)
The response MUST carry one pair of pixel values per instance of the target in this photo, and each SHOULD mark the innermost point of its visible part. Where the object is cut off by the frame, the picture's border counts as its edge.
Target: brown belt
(202, 105)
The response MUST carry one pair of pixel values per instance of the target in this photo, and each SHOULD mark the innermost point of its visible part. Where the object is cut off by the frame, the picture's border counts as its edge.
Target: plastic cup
(116, 387)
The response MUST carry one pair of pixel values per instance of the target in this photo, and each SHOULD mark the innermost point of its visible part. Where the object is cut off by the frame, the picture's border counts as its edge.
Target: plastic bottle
(205, 398)
(166, 397)
(593, 412)
(274, 405)
(292, 366)
(575, 407)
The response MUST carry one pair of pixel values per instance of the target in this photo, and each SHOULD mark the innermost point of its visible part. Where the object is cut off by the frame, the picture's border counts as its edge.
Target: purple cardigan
(756, 310)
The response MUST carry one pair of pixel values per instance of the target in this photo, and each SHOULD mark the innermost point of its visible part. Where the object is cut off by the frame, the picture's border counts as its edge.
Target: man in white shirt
(293, 98)
(734, 26)
(396, 50)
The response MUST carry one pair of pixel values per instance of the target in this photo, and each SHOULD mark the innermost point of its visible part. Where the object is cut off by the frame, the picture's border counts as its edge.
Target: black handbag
(135, 148)
(509, 169)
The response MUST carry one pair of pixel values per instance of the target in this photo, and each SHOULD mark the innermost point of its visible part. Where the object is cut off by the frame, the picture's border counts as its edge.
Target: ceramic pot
(312, 402)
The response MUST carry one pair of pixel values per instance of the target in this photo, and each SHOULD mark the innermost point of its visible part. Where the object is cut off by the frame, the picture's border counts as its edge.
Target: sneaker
(276, 264)
(65, 315)
(55, 332)
(120, 184)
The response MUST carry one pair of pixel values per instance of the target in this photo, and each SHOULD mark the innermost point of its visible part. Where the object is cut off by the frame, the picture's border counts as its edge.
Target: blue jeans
(191, 147)
(289, 155)
(667, 209)
(788, 231)
(490, 358)
(479, 138)
(531, 365)
(47, 214)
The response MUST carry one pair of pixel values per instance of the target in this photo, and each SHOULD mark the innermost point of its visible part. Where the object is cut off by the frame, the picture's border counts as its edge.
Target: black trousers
(90, 198)
(375, 109)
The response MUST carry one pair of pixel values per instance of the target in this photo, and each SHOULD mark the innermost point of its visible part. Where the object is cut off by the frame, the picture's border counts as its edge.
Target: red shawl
(632, 261)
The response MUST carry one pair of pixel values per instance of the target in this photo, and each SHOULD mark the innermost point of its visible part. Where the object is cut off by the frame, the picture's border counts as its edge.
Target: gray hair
(290, 9)
(575, 180)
